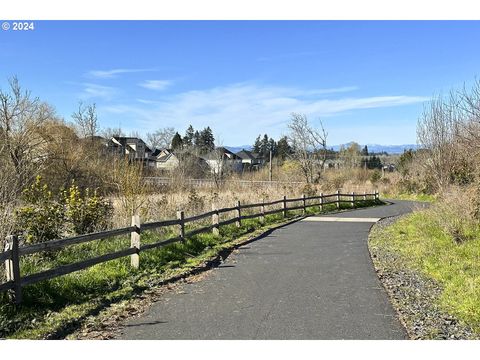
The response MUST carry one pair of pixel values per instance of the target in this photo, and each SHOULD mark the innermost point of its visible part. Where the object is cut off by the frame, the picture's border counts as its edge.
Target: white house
(222, 160)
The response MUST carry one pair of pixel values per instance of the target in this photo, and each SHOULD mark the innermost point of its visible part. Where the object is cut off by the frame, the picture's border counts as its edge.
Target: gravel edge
(414, 296)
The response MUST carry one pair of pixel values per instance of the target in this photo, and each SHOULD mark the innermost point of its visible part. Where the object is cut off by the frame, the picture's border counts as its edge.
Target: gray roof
(220, 152)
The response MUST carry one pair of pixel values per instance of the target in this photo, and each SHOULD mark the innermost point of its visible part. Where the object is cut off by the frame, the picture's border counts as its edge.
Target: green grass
(56, 307)
(410, 196)
(425, 247)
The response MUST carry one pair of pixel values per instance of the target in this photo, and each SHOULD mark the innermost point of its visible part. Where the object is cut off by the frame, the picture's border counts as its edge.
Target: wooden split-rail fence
(13, 252)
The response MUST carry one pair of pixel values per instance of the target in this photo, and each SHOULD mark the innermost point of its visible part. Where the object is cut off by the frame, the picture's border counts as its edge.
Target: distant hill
(391, 149)
(236, 149)
(377, 148)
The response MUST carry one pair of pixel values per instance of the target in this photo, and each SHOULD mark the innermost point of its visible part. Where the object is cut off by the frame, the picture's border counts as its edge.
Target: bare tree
(309, 146)
(162, 138)
(23, 149)
(86, 120)
(108, 133)
(21, 119)
(128, 180)
(437, 131)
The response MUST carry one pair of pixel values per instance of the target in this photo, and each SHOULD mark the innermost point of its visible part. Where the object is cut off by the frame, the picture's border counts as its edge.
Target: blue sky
(366, 80)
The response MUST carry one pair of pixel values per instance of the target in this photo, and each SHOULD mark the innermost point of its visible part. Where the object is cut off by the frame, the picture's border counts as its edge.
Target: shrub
(309, 190)
(87, 212)
(195, 203)
(42, 218)
(375, 176)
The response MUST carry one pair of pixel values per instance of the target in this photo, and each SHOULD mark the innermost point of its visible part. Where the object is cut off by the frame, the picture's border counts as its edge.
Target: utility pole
(270, 170)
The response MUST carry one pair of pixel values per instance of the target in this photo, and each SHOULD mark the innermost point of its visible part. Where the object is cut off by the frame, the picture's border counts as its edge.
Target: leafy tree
(351, 154)
(405, 161)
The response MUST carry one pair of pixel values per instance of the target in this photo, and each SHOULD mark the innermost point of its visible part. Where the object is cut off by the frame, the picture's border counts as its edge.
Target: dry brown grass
(163, 203)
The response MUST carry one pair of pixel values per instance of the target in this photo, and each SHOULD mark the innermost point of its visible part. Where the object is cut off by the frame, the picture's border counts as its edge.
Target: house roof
(165, 157)
(246, 154)
(125, 140)
(220, 152)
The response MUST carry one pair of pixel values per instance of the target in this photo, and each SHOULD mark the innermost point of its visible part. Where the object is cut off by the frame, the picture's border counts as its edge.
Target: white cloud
(239, 112)
(98, 91)
(112, 73)
(155, 84)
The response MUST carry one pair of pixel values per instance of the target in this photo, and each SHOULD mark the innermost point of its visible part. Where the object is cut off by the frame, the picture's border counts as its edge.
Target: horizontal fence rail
(12, 253)
(212, 182)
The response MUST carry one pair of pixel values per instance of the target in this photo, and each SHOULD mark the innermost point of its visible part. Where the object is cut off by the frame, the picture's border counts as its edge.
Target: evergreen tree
(374, 162)
(257, 146)
(196, 140)
(272, 146)
(207, 141)
(188, 138)
(365, 151)
(283, 148)
(264, 146)
(177, 142)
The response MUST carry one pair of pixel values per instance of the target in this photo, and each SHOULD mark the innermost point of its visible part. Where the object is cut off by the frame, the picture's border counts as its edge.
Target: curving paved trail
(309, 280)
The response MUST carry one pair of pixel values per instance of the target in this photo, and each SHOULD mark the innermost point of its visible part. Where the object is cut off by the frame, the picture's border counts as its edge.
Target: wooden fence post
(304, 203)
(353, 199)
(321, 201)
(284, 206)
(215, 220)
(338, 199)
(238, 214)
(12, 267)
(262, 211)
(181, 217)
(135, 242)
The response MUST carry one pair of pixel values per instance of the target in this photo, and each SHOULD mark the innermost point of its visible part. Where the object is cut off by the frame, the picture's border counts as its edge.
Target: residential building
(222, 160)
(250, 160)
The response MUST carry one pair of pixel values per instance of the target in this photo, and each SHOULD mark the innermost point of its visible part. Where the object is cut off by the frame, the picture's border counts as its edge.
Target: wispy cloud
(241, 111)
(112, 73)
(156, 84)
(98, 91)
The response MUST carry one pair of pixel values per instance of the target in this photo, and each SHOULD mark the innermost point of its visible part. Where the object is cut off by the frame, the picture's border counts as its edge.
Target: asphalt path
(307, 280)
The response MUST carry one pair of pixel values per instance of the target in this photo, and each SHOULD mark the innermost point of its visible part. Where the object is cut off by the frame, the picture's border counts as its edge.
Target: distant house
(250, 160)
(133, 148)
(165, 159)
(334, 163)
(222, 160)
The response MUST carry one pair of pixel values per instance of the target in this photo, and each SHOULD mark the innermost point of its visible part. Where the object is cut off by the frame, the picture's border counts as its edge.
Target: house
(250, 160)
(135, 149)
(222, 160)
(164, 159)
(334, 164)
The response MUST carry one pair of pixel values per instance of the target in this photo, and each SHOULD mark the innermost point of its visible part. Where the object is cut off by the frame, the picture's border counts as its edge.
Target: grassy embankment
(420, 242)
(55, 308)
